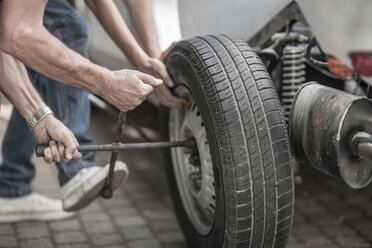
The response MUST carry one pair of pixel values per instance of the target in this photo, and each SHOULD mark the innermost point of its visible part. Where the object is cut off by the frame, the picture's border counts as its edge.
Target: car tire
(246, 138)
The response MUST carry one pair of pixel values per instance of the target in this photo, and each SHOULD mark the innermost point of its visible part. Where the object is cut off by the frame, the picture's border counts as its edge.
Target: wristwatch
(39, 116)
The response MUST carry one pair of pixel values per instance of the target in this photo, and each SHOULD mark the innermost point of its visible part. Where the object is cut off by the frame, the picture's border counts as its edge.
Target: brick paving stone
(359, 200)
(313, 211)
(137, 233)
(136, 186)
(351, 214)
(30, 224)
(7, 241)
(114, 246)
(37, 232)
(165, 225)
(135, 183)
(147, 243)
(299, 219)
(122, 211)
(105, 239)
(65, 225)
(166, 197)
(6, 229)
(351, 242)
(328, 246)
(328, 197)
(119, 201)
(74, 246)
(176, 245)
(159, 214)
(359, 224)
(316, 240)
(144, 196)
(99, 227)
(366, 234)
(365, 206)
(102, 216)
(70, 237)
(306, 229)
(292, 239)
(39, 243)
(369, 213)
(94, 207)
(130, 220)
(338, 230)
(150, 205)
(294, 245)
(325, 220)
(171, 237)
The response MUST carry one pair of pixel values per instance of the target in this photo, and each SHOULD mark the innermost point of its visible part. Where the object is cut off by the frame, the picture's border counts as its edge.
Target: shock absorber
(293, 76)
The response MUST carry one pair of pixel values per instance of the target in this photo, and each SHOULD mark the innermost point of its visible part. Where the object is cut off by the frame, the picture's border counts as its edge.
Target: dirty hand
(62, 142)
(129, 88)
(157, 68)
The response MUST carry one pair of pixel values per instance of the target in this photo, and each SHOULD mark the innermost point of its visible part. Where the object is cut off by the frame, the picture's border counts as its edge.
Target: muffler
(330, 130)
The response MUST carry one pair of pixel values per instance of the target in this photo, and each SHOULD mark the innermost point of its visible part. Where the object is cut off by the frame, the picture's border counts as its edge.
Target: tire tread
(254, 148)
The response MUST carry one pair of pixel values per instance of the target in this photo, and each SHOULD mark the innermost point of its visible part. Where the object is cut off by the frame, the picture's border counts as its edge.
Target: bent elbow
(13, 40)
(5, 41)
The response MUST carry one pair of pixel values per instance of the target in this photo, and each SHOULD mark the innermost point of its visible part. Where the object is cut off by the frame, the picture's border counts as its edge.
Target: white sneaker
(86, 186)
(32, 207)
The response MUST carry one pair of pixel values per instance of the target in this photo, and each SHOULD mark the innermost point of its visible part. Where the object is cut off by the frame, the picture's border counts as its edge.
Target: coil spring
(293, 76)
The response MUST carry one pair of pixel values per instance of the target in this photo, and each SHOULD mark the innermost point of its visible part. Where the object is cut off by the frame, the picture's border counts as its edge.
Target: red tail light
(338, 68)
(362, 64)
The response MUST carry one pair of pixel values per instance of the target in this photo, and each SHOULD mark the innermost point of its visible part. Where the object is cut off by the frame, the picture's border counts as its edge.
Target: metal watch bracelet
(39, 116)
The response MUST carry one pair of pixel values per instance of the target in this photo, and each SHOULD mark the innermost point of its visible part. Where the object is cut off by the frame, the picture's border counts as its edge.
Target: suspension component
(331, 130)
(293, 76)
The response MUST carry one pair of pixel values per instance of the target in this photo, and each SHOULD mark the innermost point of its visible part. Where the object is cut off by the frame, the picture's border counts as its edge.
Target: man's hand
(157, 68)
(129, 88)
(62, 142)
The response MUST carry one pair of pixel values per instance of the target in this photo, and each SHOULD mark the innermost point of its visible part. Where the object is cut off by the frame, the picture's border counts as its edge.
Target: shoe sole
(50, 216)
(90, 189)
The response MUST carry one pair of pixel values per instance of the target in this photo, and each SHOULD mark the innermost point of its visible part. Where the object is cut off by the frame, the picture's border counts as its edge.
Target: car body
(180, 19)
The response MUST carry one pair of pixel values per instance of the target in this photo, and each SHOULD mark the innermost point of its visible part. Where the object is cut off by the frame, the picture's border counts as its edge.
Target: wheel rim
(193, 169)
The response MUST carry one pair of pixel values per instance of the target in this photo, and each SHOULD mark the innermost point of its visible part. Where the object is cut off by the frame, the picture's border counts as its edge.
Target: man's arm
(141, 13)
(23, 35)
(17, 87)
(143, 19)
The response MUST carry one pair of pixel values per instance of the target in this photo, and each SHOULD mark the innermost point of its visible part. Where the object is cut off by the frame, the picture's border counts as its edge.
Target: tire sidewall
(182, 74)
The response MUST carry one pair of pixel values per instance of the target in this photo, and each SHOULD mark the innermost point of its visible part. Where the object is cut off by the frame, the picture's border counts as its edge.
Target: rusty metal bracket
(290, 13)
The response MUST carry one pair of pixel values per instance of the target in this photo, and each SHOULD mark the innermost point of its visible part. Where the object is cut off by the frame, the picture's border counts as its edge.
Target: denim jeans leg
(71, 105)
(17, 171)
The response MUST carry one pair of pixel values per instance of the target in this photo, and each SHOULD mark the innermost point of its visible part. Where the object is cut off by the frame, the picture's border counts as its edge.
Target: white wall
(185, 18)
(240, 18)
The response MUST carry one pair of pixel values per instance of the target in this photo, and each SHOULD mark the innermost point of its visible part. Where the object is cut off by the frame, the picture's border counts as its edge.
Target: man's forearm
(114, 24)
(30, 42)
(143, 19)
(17, 87)
(45, 54)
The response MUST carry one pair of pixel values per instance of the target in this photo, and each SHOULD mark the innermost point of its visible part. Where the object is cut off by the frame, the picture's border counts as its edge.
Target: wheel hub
(193, 167)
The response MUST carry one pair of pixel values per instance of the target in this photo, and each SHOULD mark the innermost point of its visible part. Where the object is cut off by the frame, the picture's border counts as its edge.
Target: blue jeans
(69, 104)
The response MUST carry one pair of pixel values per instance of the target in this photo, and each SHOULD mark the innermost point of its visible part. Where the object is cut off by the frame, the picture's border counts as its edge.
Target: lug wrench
(107, 187)
(116, 146)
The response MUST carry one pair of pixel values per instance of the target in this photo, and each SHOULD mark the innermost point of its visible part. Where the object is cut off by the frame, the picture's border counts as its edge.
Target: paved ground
(140, 215)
